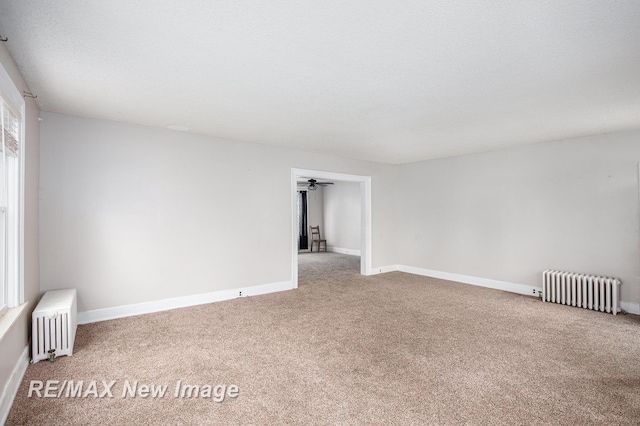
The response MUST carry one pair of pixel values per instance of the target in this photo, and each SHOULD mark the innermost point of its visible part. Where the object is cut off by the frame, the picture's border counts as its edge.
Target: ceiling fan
(313, 184)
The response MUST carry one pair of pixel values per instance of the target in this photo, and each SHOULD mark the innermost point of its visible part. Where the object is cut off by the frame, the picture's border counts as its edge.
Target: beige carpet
(346, 349)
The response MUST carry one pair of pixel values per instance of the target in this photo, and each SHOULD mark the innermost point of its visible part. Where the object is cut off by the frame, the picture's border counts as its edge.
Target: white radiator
(54, 323)
(584, 291)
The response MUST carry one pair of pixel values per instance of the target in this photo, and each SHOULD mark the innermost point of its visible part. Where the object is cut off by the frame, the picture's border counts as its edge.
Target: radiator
(584, 291)
(54, 323)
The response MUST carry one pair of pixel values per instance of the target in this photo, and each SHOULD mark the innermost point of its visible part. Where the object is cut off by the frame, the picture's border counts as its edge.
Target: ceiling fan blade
(324, 183)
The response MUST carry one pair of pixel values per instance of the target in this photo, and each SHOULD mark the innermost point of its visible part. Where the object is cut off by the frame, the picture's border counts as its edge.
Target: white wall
(508, 215)
(315, 206)
(16, 338)
(132, 214)
(342, 216)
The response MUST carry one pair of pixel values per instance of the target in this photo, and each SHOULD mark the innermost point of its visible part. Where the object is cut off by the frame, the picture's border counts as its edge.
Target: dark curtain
(303, 243)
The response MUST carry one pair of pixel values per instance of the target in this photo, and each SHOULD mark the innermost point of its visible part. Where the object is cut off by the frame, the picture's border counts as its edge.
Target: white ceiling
(381, 80)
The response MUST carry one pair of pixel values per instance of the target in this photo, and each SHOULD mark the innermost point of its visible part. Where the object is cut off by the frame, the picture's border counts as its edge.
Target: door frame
(365, 216)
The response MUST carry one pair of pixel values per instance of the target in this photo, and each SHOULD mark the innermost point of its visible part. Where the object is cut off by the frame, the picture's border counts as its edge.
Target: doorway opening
(365, 212)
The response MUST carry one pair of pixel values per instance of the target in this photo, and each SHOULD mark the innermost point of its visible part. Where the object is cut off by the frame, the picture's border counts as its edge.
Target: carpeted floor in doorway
(344, 348)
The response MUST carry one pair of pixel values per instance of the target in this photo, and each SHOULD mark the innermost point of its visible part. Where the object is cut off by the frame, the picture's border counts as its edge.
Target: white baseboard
(528, 290)
(383, 269)
(632, 308)
(179, 302)
(11, 388)
(218, 296)
(352, 252)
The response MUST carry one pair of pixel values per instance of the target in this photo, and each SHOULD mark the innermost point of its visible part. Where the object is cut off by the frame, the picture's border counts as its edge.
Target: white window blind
(10, 131)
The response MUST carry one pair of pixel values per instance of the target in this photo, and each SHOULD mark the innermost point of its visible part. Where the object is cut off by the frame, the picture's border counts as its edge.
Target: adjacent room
(366, 212)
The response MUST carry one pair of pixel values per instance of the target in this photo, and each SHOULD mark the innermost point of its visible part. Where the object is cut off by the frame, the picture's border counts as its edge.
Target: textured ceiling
(379, 80)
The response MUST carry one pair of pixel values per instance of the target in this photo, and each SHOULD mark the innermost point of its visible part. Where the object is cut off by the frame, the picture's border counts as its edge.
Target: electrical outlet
(535, 291)
(240, 294)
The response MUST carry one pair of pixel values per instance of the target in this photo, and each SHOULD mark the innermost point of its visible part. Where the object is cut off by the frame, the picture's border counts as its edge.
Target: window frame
(15, 248)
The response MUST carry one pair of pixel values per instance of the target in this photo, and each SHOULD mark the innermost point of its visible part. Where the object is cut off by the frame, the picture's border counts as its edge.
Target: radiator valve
(52, 355)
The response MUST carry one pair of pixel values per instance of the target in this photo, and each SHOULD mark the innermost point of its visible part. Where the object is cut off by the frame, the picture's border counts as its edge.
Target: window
(11, 177)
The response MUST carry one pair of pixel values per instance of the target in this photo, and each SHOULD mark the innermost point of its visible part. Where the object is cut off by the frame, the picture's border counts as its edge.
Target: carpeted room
(500, 141)
(346, 348)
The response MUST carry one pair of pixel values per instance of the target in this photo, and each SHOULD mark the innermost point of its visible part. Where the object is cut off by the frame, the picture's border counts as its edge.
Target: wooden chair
(315, 238)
